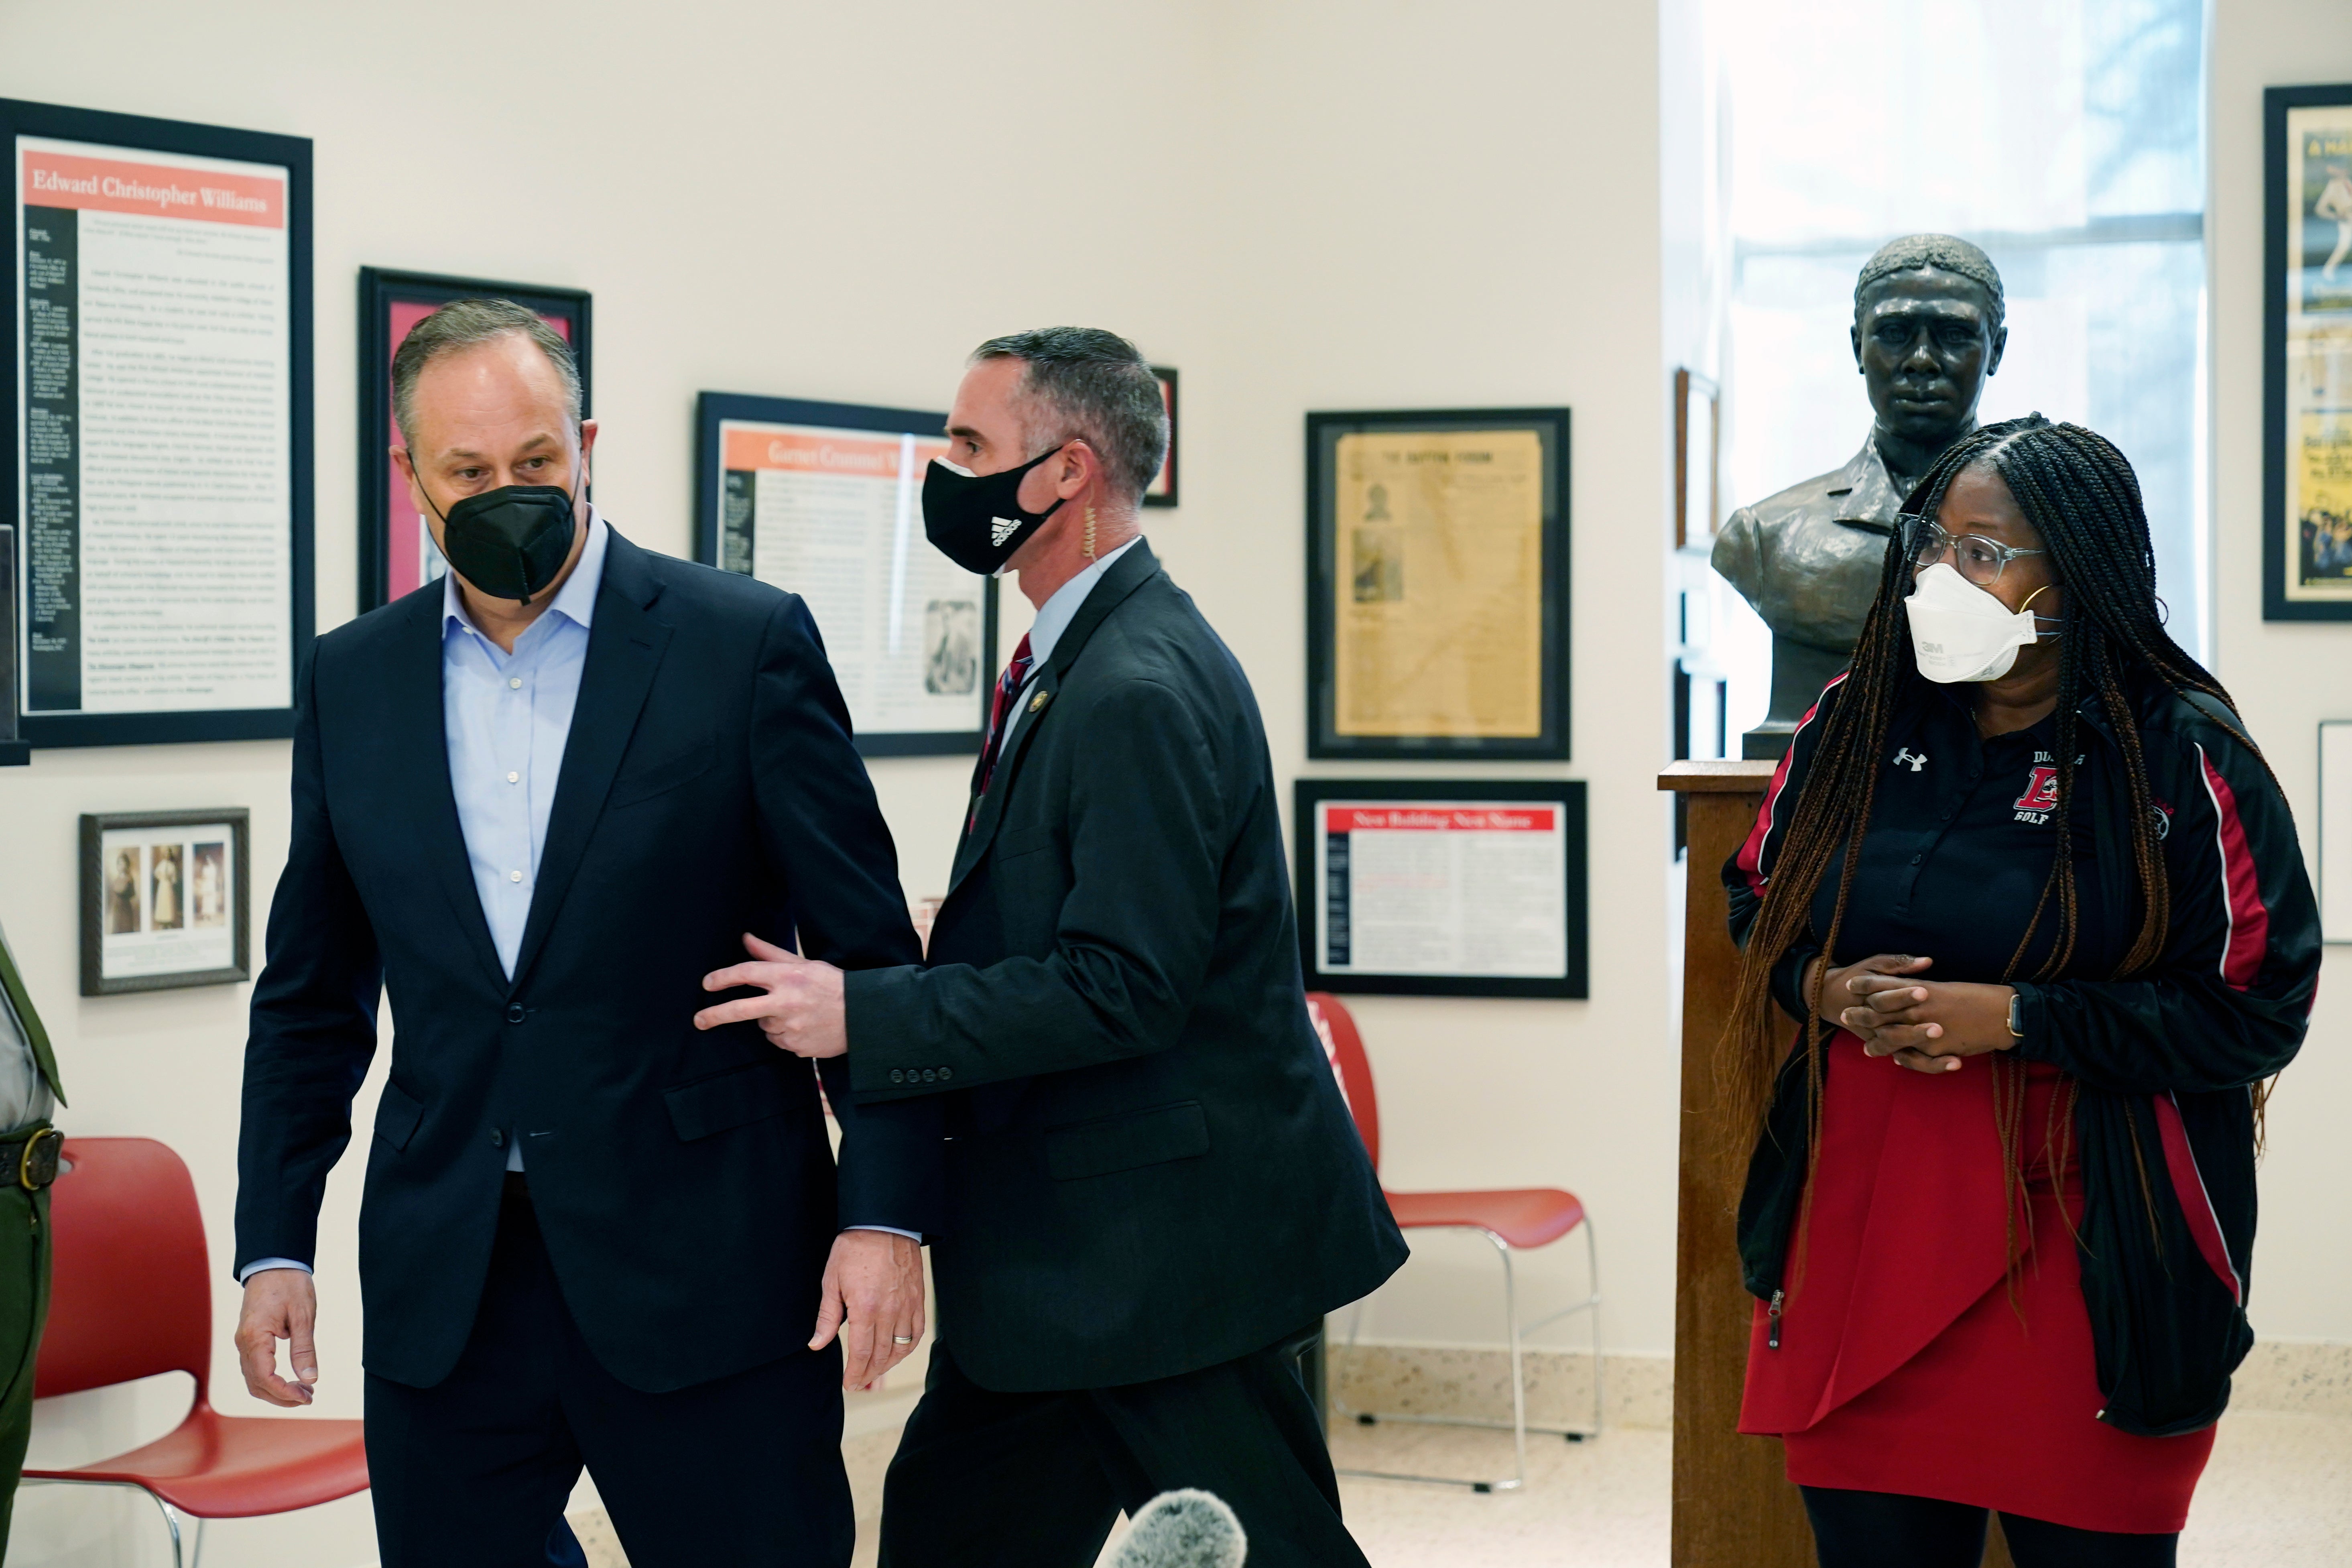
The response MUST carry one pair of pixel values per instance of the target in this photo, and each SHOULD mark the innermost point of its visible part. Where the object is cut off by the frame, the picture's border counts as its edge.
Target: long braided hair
(2080, 492)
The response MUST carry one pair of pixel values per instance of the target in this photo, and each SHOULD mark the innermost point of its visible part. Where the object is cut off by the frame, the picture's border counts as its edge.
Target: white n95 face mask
(1960, 632)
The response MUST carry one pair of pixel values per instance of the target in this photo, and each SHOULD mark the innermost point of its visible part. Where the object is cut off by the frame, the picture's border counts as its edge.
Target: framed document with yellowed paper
(1437, 578)
(2307, 357)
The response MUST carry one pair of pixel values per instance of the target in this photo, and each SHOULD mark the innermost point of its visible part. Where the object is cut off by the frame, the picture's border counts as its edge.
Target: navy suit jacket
(683, 1180)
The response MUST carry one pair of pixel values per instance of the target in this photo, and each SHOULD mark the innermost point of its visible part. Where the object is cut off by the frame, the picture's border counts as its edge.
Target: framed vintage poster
(2307, 357)
(2336, 830)
(1442, 886)
(826, 499)
(155, 366)
(396, 550)
(164, 901)
(1162, 491)
(1437, 585)
(1698, 450)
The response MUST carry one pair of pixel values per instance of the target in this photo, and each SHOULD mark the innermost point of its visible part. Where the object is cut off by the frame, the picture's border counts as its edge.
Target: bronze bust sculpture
(1927, 331)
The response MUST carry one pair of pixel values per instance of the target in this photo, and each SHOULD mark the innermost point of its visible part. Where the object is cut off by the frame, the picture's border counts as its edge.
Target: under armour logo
(1916, 759)
(1001, 529)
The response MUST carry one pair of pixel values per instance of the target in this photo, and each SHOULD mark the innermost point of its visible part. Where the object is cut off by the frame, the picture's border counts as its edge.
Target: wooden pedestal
(1734, 1507)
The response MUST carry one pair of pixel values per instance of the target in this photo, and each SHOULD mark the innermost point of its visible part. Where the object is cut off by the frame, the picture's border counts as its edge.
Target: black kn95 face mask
(510, 543)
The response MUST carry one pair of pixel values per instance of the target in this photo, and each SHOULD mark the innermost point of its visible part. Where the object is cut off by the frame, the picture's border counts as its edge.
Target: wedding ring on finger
(901, 1340)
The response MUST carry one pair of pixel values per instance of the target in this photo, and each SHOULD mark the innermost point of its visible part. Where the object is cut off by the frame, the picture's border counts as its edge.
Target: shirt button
(514, 778)
(514, 876)
(514, 683)
(897, 1076)
(515, 1014)
(498, 1139)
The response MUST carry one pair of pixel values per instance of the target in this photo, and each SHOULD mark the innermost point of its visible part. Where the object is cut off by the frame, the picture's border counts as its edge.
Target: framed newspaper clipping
(155, 366)
(1442, 886)
(1437, 585)
(826, 499)
(396, 550)
(2307, 355)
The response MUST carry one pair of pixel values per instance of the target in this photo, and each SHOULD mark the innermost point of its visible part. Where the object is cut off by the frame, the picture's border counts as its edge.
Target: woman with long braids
(2037, 902)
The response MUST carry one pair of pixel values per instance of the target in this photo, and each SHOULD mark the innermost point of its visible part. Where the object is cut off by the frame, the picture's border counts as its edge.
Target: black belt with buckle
(31, 1162)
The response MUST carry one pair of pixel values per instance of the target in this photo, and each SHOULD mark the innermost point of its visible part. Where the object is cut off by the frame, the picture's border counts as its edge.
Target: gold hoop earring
(1090, 531)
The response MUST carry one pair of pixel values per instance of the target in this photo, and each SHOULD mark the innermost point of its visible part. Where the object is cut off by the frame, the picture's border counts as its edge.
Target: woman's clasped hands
(1926, 1026)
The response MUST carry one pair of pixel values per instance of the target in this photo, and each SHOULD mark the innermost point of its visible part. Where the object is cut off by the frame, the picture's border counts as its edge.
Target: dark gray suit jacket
(1152, 1168)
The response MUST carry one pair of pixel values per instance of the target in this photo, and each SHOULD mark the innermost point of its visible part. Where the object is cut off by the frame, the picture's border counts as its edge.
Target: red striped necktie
(1008, 687)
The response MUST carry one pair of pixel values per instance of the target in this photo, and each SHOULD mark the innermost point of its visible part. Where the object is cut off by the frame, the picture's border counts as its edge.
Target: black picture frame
(712, 411)
(139, 133)
(1162, 489)
(95, 827)
(15, 752)
(382, 291)
(1310, 795)
(2282, 534)
(1324, 742)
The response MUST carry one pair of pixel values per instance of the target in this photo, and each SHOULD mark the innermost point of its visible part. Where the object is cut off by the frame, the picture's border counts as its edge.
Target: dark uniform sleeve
(819, 820)
(313, 1024)
(1146, 840)
(1748, 873)
(2228, 1003)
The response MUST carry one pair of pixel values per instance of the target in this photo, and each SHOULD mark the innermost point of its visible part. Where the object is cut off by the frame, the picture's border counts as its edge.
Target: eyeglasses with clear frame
(1979, 560)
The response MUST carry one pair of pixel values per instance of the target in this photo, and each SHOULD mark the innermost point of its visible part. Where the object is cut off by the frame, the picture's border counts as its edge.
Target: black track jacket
(2166, 1059)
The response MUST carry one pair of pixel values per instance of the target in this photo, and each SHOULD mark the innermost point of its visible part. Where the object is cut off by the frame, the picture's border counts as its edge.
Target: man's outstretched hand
(872, 1299)
(802, 1010)
(280, 1304)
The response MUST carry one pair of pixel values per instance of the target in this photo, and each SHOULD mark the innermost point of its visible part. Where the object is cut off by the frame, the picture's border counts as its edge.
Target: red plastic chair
(1523, 1217)
(132, 1297)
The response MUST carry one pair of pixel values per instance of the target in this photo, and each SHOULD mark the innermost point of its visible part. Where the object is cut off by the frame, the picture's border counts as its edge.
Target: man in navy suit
(536, 803)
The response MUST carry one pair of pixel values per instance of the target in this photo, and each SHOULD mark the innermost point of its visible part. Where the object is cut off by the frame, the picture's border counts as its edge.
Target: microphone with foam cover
(1184, 1529)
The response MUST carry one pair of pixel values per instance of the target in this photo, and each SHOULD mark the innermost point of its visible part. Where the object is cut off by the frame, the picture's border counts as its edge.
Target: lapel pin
(1037, 703)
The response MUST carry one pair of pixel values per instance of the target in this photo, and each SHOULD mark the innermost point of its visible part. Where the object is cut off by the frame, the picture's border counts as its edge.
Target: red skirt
(1904, 1364)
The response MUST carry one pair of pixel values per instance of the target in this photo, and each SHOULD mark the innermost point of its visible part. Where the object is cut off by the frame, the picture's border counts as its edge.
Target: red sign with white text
(157, 190)
(1440, 819)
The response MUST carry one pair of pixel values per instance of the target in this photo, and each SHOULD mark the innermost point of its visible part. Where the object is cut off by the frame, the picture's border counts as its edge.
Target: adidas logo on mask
(999, 529)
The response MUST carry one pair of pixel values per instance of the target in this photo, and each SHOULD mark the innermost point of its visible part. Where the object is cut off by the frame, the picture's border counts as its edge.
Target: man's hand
(280, 1304)
(802, 1010)
(874, 1300)
(1926, 1025)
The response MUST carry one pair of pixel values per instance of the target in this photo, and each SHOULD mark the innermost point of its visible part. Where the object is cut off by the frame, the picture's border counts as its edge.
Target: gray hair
(464, 324)
(1942, 251)
(1086, 384)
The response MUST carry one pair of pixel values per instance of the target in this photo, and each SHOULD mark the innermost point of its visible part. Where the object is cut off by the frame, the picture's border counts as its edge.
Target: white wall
(2286, 676)
(1302, 205)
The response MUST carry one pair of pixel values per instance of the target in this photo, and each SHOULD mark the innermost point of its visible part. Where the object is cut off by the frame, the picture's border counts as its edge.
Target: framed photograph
(14, 751)
(396, 552)
(1162, 491)
(1698, 449)
(2307, 355)
(1442, 886)
(2336, 830)
(1437, 572)
(826, 499)
(164, 901)
(155, 368)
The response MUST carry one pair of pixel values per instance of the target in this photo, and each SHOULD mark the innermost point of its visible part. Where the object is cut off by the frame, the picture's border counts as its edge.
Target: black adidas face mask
(510, 543)
(976, 520)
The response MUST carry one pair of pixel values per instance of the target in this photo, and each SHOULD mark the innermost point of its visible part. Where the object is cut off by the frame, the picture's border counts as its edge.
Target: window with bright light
(2067, 140)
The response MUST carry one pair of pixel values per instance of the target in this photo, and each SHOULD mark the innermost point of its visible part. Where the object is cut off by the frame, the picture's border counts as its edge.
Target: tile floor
(2278, 1494)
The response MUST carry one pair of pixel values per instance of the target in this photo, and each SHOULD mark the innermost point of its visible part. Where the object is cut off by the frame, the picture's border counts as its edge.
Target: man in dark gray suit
(1153, 1181)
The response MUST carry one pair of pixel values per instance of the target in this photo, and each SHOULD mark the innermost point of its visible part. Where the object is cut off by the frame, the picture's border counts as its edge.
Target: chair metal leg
(1517, 1426)
(181, 1558)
